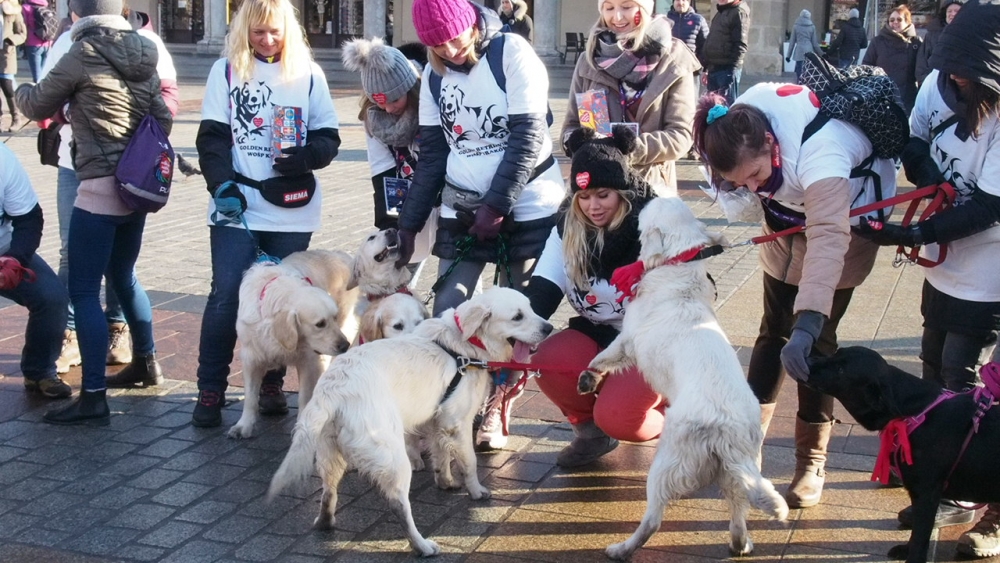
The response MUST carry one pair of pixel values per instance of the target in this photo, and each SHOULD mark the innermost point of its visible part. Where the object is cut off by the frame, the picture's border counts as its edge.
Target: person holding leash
(267, 74)
(648, 78)
(485, 150)
(955, 138)
(809, 277)
(598, 233)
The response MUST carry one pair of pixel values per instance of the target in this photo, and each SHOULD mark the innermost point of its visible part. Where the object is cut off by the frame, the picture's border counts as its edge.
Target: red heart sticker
(814, 99)
(457, 129)
(591, 298)
(583, 180)
(379, 98)
(258, 121)
(789, 90)
(637, 18)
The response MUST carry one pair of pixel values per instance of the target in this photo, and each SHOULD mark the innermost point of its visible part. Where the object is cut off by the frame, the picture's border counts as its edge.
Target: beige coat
(828, 256)
(14, 34)
(665, 114)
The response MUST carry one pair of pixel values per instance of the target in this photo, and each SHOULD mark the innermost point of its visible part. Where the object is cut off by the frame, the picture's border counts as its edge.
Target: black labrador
(875, 393)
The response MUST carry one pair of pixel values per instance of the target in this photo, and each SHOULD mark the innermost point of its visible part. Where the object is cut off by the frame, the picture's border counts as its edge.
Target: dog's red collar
(373, 297)
(626, 278)
(263, 290)
(475, 341)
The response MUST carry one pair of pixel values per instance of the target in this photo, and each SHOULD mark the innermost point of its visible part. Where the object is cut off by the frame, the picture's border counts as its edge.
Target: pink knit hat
(440, 21)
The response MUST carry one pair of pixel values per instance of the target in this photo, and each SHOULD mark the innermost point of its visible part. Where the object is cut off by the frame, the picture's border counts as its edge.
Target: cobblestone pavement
(153, 488)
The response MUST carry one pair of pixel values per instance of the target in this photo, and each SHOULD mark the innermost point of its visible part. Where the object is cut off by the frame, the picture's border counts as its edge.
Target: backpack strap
(944, 125)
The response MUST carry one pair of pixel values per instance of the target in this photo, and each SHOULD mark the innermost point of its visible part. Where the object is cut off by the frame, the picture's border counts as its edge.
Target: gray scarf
(634, 65)
(393, 130)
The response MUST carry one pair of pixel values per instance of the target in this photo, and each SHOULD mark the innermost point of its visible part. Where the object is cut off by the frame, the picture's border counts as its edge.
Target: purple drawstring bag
(146, 168)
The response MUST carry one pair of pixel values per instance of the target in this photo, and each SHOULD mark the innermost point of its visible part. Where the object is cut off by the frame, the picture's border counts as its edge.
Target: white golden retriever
(385, 307)
(295, 313)
(374, 394)
(712, 432)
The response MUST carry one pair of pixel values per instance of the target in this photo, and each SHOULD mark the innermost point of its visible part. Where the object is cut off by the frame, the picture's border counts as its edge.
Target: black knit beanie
(603, 162)
(969, 47)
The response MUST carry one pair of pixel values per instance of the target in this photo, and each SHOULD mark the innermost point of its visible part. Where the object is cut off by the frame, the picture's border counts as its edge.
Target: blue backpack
(494, 55)
(146, 168)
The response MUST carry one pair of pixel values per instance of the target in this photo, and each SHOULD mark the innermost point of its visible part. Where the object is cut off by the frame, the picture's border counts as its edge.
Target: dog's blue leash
(228, 211)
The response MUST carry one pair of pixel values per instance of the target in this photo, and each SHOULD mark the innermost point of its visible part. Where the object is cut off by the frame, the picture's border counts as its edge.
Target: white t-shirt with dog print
(598, 305)
(971, 269)
(247, 107)
(16, 195)
(473, 114)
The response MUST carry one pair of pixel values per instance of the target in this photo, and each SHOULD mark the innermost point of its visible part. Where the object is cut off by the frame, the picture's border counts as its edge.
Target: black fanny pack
(283, 191)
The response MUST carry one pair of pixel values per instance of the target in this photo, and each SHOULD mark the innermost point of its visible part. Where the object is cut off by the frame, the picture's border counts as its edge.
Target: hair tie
(717, 111)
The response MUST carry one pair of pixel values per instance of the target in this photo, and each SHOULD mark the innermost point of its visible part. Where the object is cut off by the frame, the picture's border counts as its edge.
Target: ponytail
(726, 138)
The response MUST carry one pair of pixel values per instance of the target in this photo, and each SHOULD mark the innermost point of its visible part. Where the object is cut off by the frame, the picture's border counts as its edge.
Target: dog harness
(263, 290)
(895, 437)
(627, 278)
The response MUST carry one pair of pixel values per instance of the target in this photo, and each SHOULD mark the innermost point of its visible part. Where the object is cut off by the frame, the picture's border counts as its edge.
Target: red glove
(12, 272)
(487, 224)
(627, 277)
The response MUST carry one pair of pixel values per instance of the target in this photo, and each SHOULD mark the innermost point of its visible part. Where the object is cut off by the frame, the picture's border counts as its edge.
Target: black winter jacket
(849, 42)
(728, 37)
(897, 55)
(691, 28)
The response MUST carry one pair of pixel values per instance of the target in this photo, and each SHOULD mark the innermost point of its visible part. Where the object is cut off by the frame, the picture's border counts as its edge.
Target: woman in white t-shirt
(809, 277)
(267, 122)
(485, 149)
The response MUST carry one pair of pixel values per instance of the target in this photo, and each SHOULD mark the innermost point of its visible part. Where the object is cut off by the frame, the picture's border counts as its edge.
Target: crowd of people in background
(490, 192)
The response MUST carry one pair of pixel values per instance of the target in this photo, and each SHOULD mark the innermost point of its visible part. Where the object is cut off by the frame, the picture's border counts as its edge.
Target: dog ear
(378, 331)
(473, 318)
(352, 282)
(286, 329)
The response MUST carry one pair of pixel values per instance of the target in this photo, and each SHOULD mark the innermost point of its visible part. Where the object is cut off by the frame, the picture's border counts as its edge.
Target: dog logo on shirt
(249, 101)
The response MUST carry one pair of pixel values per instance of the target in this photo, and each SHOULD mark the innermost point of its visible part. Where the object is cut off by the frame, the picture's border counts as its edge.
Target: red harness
(895, 437)
(263, 290)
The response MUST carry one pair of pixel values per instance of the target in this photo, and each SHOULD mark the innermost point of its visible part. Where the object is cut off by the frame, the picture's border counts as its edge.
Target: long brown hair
(982, 103)
(731, 139)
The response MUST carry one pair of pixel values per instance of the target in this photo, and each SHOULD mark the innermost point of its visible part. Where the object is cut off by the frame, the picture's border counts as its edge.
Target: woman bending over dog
(809, 277)
(599, 233)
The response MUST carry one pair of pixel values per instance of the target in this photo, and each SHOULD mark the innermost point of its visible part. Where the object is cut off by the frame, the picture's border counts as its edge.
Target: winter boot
(70, 354)
(766, 412)
(144, 371)
(589, 444)
(983, 540)
(119, 345)
(272, 401)
(90, 408)
(811, 440)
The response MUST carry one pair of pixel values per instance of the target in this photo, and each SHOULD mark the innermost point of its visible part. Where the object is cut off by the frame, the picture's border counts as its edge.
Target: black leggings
(764, 374)
(950, 358)
(7, 85)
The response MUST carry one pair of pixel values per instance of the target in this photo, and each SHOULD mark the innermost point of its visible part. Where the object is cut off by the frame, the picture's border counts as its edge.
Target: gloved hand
(488, 222)
(11, 272)
(465, 214)
(788, 59)
(230, 190)
(804, 334)
(626, 278)
(405, 250)
(887, 234)
(295, 163)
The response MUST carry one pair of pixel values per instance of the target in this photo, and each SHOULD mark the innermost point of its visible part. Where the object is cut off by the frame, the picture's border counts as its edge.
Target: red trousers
(624, 407)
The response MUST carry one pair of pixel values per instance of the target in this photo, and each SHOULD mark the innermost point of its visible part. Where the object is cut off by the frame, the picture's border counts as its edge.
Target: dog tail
(299, 462)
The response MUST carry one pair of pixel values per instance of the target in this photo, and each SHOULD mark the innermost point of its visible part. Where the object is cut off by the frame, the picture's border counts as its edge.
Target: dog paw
(588, 382)
(240, 432)
(322, 524)
(426, 548)
(444, 483)
(737, 550)
(619, 551)
(417, 463)
(482, 493)
(899, 552)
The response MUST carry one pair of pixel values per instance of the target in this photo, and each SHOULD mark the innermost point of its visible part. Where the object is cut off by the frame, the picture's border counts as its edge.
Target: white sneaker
(492, 434)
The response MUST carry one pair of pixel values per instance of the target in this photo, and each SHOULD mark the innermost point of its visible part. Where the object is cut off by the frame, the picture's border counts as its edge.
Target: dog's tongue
(521, 352)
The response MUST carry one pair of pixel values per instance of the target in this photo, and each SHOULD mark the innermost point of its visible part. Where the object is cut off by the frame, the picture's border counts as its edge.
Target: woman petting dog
(955, 138)
(267, 66)
(599, 233)
(809, 277)
(488, 144)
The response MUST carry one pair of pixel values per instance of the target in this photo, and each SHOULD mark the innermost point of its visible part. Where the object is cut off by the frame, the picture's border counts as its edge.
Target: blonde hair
(437, 63)
(628, 41)
(294, 48)
(577, 228)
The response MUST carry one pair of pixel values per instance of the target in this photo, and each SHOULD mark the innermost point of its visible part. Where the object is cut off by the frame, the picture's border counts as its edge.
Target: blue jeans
(726, 82)
(66, 186)
(46, 301)
(111, 244)
(36, 60)
(233, 252)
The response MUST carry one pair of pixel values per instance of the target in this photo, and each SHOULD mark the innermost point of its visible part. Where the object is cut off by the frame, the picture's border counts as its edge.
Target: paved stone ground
(152, 488)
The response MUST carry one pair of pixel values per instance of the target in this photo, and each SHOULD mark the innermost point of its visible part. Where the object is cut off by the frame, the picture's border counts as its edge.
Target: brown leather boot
(766, 412)
(811, 440)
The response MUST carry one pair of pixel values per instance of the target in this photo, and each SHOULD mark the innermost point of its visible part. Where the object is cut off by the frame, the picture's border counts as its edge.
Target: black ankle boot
(89, 408)
(143, 371)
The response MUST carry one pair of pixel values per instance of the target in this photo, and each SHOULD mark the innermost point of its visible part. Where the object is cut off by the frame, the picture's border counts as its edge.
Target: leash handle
(944, 196)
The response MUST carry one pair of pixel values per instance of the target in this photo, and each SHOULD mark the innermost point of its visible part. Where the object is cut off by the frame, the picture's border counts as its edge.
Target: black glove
(804, 334)
(466, 215)
(295, 162)
(230, 190)
(788, 59)
(406, 239)
(887, 234)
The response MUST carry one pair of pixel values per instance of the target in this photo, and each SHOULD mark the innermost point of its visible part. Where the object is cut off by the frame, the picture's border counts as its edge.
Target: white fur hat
(386, 74)
(646, 5)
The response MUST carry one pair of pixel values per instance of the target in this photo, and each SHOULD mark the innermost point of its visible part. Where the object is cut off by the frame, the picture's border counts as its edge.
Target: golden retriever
(670, 332)
(374, 394)
(299, 313)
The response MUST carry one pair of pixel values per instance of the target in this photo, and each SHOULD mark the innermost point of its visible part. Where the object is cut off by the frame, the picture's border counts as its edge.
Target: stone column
(216, 12)
(375, 18)
(767, 34)
(546, 20)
